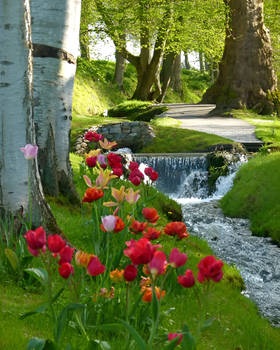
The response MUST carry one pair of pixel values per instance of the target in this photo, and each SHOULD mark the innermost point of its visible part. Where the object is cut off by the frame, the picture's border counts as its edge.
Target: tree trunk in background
(165, 74)
(55, 36)
(18, 177)
(201, 62)
(119, 70)
(84, 46)
(245, 72)
(187, 63)
(176, 81)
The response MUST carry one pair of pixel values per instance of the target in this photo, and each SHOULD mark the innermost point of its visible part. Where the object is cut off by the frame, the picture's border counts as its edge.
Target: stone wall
(134, 135)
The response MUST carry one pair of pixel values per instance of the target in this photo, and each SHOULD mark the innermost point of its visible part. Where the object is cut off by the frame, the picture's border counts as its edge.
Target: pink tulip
(95, 267)
(29, 151)
(109, 222)
(176, 258)
(158, 263)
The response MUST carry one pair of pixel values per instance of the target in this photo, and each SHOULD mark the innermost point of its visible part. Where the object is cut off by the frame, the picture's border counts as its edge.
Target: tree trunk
(55, 35)
(19, 178)
(245, 72)
(147, 77)
(84, 46)
(187, 63)
(201, 62)
(165, 74)
(119, 70)
(176, 81)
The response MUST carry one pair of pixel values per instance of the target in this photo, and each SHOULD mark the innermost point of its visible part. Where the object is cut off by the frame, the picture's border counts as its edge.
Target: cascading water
(258, 260)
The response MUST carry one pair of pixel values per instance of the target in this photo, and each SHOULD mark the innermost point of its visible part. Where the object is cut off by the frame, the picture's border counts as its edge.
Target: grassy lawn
(267, 126)
(255, 195)
(256, 191)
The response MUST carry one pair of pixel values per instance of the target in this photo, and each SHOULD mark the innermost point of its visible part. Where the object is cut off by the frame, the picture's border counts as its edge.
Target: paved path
(196, 117)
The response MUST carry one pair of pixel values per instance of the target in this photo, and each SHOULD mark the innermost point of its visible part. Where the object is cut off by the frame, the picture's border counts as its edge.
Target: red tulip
(141, 251)
(135, 180)
(55, 243)
(93, 136)
(176, 228)
(172, 336)
(36, 239)
(92, 194)
(119, 226)
(133, 166)
(210, 268)
(148, 171)
(114, 160)
(151, 233)
(150, 214)
(118, 171)
(65, 270)
(137, 227)
(91, 161)
(130, 273)
(176, 258)
(154, 176)
(158, 264)
(187, 280)
(95, 267)
(66, 254)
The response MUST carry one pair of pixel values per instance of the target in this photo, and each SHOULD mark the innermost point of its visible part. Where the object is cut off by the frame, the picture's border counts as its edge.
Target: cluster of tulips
(147, 261)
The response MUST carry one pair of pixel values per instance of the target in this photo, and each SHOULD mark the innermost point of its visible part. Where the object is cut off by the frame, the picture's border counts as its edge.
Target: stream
(184, 178)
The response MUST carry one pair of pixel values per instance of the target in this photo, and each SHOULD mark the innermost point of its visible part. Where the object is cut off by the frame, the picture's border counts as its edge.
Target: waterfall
(184, 177)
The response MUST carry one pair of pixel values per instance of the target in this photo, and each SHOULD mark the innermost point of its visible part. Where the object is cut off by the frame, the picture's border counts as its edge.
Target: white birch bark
(16, 118)
(55, 36)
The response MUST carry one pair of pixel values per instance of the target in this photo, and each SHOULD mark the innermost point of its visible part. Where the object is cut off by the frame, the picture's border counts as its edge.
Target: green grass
(267, 126)
(194, 84)
(255, 195)
(171, 139)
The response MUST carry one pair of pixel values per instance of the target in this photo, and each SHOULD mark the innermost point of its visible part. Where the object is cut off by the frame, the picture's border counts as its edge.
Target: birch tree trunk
(19, 177)
(55, 36)
(245, 73)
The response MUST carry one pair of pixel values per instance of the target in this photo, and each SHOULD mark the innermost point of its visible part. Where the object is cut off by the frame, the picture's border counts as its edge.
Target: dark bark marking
(7, 26)
(40, 50)
(4, 85)
(6, 63)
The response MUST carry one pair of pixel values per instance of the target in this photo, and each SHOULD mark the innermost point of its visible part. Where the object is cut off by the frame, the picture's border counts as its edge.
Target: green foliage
(257, 197)
(274, 96)
(127, 109)
(93, 91)
(272, 21)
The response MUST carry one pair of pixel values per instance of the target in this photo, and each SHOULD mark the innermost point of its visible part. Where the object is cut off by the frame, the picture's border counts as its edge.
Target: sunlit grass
(255, 195)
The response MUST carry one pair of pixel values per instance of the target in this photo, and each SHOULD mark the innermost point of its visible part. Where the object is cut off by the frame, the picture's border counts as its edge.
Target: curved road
(196, 117)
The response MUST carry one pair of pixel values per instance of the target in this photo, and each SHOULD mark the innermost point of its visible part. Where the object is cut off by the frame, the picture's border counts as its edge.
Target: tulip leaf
(40, 274)
(39, 310)
(208, 323)
(111, 327)
(36, 344)
(136, 336)
(188, 342)
(62, 318)
(54, 299)
(13, 258)
(155, 306)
